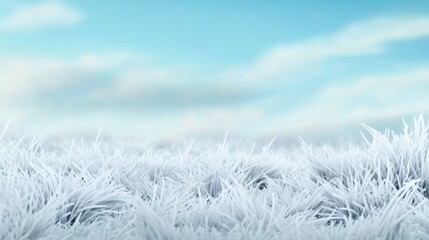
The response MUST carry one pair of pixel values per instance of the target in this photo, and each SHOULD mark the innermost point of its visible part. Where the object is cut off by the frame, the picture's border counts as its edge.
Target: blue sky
(167, 69)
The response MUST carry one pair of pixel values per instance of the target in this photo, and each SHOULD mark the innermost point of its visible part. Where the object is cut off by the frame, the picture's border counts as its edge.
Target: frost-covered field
(225, 190)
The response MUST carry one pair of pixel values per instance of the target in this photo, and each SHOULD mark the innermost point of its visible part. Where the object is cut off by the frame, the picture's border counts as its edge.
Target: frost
(97, 190)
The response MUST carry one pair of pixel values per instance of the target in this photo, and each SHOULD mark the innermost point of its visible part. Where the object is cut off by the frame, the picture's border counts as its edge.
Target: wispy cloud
(23, 76)
(372, 97)
(40, 16)
(363, 38)
(115, 80)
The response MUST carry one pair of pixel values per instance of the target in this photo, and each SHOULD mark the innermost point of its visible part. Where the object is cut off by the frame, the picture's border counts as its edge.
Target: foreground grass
(376, 190)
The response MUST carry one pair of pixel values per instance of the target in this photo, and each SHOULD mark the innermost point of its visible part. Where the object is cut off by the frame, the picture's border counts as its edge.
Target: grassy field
(226, 190)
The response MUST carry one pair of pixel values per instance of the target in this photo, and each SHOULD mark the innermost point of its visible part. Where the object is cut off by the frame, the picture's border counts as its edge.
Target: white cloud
(141, 79)
(369, 97)
(25, 80)
(40, 16)
(374, 97)
(363, 38)
(118, 75)
(28, 76)
(125, 80)
(383, 87)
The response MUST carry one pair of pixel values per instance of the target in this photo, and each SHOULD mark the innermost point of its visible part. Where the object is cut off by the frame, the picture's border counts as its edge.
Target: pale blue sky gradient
(168, 69)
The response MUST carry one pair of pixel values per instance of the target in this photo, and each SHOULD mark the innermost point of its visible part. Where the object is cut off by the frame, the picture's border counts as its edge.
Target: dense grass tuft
(375, 190)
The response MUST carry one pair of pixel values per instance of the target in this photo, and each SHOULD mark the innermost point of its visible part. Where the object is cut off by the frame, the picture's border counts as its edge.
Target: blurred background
(163, 70)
